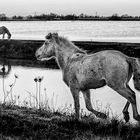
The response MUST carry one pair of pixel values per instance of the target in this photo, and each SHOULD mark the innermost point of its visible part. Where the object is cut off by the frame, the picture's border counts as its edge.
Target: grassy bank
(18, 123)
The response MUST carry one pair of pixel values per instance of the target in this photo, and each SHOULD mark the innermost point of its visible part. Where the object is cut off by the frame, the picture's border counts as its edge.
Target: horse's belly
(93, 84)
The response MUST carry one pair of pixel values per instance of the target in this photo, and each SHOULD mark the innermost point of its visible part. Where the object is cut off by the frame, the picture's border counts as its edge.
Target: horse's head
(47, 50)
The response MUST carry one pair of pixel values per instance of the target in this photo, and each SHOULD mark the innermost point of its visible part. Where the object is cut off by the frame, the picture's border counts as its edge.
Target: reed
(7, 93)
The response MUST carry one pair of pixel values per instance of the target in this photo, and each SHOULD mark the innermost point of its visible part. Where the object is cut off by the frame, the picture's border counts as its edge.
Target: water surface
(126, 31)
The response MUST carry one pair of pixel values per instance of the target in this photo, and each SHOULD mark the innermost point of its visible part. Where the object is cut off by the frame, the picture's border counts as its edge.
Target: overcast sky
(90, 7)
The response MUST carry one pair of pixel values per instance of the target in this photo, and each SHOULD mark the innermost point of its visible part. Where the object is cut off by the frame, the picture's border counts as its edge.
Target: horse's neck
(2, 30)
(7, 31)
(62, 57)
(64, 54)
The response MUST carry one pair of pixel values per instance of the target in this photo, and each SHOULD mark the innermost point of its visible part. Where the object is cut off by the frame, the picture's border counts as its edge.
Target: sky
(89, 7)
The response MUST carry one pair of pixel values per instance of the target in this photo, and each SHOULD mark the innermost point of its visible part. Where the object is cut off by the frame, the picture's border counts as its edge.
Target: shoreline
(78, 19)
(85, 39)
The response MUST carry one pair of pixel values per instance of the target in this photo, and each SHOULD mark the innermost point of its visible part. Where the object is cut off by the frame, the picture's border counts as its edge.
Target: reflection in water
(6, 67)
(55, 93)
(4, 73)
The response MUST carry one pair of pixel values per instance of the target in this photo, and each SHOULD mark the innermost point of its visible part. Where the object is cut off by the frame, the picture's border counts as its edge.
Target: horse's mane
(8, 32)
(60, 40)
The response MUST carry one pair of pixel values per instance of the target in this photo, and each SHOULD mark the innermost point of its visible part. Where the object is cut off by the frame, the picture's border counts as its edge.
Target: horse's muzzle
(38, 56)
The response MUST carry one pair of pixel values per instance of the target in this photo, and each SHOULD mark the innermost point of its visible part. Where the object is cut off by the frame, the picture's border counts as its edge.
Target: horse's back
(104, 59)
(115, 67)
(3, 29)
(113, 59)
(91, 70)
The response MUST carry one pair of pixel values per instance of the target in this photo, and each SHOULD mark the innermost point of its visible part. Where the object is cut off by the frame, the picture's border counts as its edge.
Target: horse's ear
(49, 36)
(55, 35)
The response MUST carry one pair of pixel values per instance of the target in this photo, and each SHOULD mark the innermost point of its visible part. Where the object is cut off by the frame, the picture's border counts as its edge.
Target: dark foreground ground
(21, 123)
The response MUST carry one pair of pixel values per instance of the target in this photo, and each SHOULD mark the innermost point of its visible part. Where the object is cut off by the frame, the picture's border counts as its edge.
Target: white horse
(82, 72)
(3, 31)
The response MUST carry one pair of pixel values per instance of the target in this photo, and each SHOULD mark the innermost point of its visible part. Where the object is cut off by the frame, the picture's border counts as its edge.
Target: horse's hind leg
(126, 113)
(125, 110)
(86, 95)
(129, 94)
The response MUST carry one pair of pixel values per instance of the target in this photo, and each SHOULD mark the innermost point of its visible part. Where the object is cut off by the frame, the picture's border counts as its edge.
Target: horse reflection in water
(5, 69)
(82, 72)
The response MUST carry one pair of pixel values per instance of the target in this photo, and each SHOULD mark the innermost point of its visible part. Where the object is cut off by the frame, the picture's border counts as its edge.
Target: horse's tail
(135, 65)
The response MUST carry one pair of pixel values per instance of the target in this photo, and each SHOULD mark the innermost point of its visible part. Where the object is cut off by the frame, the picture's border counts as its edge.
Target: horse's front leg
(75, 94)
(3, 35)
(86, 94)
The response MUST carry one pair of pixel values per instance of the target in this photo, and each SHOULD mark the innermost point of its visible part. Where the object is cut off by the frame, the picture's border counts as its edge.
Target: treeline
(53, 16)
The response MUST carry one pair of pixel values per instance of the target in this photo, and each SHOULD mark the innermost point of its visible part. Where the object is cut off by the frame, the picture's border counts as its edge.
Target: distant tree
(14, 17)
(71, 17)
(115, 17)
(3, 16)
(29, 17)
(81, 15)
(125, 16)
(17, 17)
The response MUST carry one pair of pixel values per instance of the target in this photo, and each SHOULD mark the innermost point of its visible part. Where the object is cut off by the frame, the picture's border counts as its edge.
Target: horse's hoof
(126, 116)
(101, 115)
(77, 118)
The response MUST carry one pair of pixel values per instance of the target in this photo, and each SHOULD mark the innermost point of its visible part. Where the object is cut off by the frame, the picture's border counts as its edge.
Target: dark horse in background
(82, 72)
(3, 31)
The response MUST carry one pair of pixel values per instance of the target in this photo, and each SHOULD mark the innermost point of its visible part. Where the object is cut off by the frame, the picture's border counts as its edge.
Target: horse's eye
(48, 36)
(46, 43)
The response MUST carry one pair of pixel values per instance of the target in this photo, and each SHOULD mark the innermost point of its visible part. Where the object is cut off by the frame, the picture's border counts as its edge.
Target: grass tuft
(29, 123)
